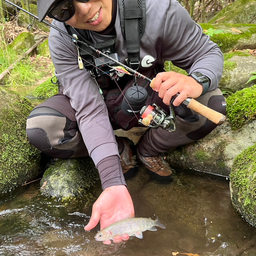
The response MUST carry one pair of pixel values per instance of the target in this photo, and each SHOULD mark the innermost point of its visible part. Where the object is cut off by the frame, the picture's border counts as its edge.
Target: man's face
(94, 15)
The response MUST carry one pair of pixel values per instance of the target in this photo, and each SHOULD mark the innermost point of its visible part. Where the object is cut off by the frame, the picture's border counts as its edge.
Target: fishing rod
(152, 116)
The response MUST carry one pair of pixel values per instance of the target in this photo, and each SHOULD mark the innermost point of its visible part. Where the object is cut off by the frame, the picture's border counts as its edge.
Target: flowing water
(196, 210)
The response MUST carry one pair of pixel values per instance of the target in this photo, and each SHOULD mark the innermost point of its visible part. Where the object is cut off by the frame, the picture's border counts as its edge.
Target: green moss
(71, 181)
(43, 49)
(229, 55)
(46, 89)
(228, 38)
(221, 165)
(22, 42)
(168, 66)
(201, 156)
(237, 12)
(241, 107)
(17, 156)
(243, 181)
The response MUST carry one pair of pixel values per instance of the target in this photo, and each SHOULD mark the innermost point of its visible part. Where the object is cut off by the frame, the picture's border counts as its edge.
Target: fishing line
(111, 77)
(73, 40)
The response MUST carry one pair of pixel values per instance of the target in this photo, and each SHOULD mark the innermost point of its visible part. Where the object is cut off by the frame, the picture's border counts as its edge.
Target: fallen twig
(32, 181)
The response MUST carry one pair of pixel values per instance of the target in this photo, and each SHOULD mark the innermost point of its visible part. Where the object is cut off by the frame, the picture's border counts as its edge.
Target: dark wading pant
(52, 128)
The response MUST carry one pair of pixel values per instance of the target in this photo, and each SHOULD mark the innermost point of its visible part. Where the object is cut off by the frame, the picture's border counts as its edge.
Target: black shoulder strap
(133, 20)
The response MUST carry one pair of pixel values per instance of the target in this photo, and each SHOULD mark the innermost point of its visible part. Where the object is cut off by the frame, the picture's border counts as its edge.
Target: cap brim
(43, 7)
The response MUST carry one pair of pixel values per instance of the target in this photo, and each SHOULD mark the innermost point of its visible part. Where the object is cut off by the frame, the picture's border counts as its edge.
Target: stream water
(196, 210)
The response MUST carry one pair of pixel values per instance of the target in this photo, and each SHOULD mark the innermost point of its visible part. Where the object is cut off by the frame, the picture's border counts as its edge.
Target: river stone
(22, 42)
(236, 79)
(71, 180)
(243, 184)
(19, 161)
(240, 11)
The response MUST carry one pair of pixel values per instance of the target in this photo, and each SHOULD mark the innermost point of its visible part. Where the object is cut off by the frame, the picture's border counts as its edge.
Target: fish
(131, 226)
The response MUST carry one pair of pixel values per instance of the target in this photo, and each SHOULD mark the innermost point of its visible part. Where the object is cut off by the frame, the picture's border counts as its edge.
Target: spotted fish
(130, 226)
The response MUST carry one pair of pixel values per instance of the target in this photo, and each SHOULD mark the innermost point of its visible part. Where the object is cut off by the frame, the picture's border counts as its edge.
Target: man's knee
(47, 130)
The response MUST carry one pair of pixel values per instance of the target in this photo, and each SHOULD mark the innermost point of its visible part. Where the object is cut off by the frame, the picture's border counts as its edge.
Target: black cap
(43, 7)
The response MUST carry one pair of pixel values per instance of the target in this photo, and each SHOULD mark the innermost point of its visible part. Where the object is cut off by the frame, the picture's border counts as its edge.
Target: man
(80, 120)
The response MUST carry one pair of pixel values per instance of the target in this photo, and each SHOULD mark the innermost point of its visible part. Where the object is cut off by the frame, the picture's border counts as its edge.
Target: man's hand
(168, 84)
(114, 203)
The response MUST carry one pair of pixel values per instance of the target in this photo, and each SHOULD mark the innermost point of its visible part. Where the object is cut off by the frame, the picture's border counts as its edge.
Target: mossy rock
(241, 107)
(22, 42)
(243, 184)
(71, 181)
(238, 69)
(231, 36)
(46, 89)
(240, 11)
(19, 161)
(43, 49)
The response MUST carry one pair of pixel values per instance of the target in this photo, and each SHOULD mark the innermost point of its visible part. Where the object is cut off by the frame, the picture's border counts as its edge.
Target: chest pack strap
(133, 20)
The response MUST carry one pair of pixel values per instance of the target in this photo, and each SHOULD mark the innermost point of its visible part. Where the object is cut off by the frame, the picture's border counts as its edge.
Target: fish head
(103, 235)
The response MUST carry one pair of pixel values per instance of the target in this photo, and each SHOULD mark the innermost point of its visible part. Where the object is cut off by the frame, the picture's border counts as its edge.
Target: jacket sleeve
(85, 98)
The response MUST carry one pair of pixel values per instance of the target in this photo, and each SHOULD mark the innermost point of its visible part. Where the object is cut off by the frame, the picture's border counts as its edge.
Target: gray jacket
(170, 34)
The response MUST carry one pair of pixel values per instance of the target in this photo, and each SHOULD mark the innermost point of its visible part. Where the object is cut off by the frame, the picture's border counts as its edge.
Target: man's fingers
(94, 220)
(125, 237)
(107, 242)
(117, 239)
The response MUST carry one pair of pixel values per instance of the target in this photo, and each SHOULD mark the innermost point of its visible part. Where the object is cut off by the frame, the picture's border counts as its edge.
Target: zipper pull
(80, 62)
(79, 59)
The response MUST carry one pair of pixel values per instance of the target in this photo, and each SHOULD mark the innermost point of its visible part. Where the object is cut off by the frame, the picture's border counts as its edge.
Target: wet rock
(71, 180)
(216, 152)
(238, 68)
(243, 184)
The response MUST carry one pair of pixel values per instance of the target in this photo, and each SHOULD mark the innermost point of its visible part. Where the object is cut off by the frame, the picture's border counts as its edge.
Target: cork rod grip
(209, 113)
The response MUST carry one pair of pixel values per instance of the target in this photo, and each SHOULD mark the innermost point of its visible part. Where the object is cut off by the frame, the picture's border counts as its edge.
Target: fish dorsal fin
(139, 234)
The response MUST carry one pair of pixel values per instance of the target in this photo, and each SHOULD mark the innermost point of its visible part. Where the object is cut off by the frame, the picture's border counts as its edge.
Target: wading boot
(127, 158)
(156, 167)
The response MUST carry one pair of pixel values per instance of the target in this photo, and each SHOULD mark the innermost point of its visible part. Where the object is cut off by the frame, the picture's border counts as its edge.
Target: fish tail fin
(159, 224)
